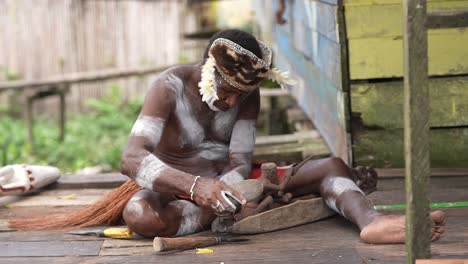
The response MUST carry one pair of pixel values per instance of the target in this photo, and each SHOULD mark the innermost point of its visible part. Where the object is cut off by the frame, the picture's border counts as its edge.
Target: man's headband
(239, 67)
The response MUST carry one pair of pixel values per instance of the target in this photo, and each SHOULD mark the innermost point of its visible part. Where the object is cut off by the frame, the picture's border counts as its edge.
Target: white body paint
(135, 208)
(243, 136)
(149, 127)
(223, 123)
(192, 132)
(232, 177)
(337, 186)
(190, 217)
(150, 169)
(213, 151)
(221, 127)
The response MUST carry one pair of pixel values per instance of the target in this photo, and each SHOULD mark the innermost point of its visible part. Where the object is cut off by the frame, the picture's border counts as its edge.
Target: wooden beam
(416, 112)
(435, 172)
(28, 114)
(454, 19)
(271, 92)
(81, 77)
(287, 138)
(62, 114)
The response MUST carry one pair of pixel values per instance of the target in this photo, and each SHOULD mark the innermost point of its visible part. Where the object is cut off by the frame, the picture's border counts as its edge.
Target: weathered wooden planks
(121, 247)
(41, 236)
(104, 180)
(374, 30)
(56, 198)
(390, 197)
(371, 58)
(48, 260)
(317, 16)
(313, 33)
(291, 152)
(4, 226)
(381, 104)
(379, 19)
(441, 261)
(384, 147)
(318, 97)
(101, 34)
(454, 19)
(50, 249)
(439, 172)
(311, 46)
(333, 240)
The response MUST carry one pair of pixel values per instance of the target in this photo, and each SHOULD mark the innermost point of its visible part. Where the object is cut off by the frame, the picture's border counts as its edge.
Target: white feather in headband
(282, 78)
(206, 85)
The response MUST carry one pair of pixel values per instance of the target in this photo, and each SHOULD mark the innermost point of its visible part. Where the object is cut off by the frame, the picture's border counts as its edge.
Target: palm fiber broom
(106, 211)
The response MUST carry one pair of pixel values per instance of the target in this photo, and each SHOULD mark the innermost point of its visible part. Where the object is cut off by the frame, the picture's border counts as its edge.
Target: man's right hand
(212, 193)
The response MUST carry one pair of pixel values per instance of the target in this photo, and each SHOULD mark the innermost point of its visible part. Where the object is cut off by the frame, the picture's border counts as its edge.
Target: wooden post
(29, 120)
(62, 114)
(416, 112)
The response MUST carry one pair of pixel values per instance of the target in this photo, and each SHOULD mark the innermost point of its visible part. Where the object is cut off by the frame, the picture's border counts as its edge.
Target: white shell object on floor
(21, 178)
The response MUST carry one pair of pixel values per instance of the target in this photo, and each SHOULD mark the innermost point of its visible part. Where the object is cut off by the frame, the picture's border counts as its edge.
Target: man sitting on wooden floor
(194, 138)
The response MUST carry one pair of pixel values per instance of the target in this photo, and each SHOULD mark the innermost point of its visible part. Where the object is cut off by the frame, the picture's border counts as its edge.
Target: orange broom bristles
(106, 211)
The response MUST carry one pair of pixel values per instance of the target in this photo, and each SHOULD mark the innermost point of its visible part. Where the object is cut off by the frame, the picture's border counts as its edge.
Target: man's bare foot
(390, 229)
(365, 178)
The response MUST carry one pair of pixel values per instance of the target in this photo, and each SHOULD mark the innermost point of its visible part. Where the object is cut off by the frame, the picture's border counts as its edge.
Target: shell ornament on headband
(239, 67)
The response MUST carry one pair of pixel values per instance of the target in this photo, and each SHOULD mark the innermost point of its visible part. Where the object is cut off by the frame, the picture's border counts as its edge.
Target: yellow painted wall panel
(384, 2)
(383, 57)
(386, 20)
(374, 32)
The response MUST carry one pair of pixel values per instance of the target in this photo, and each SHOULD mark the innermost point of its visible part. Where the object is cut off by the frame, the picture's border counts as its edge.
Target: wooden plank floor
(333, 240)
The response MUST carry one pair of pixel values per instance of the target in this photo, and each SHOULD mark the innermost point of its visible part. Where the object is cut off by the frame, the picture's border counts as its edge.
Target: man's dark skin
(153, 211)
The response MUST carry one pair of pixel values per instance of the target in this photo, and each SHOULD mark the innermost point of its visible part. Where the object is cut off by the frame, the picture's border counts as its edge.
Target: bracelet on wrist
(192, 193)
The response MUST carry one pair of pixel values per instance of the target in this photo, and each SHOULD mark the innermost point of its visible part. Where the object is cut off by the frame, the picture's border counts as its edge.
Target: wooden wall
(311, 46)
(348, 58)
(49, 37)
(374, 33)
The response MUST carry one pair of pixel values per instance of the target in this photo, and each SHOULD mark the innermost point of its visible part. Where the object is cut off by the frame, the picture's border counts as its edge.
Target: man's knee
(142, 219)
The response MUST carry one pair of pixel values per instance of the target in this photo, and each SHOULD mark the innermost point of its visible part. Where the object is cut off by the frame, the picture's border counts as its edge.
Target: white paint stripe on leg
(336, 186)
(190, 217)
(134, 207)
(149, 127)
(150, 169)
(243, 136)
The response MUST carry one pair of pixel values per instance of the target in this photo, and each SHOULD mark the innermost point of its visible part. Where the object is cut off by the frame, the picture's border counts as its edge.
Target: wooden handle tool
(162, 244)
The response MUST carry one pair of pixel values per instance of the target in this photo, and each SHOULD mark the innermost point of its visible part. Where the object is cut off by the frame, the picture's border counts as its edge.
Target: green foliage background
(91, 139)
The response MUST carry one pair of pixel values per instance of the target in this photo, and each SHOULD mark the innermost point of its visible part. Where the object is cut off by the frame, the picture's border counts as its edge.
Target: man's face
(228, 95)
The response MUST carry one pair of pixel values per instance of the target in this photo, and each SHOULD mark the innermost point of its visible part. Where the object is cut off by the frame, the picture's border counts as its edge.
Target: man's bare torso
(195, 139)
